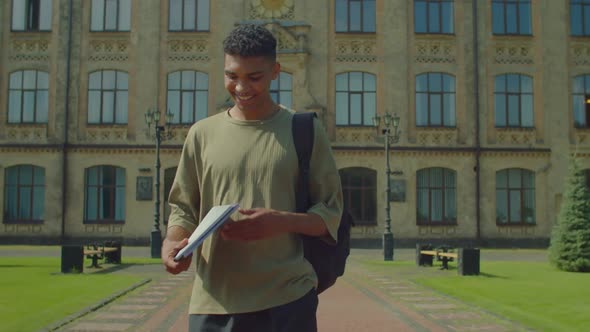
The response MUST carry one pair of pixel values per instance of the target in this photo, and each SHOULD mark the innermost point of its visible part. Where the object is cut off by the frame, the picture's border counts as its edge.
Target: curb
(94, 307)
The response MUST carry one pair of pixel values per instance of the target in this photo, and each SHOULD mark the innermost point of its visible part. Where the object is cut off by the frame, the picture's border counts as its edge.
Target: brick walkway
(363, 300)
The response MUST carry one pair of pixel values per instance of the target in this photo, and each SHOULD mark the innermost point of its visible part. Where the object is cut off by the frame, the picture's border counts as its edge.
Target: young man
(251, 275)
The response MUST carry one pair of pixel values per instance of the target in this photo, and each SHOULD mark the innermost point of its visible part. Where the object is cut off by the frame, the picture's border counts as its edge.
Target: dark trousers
(296, 316)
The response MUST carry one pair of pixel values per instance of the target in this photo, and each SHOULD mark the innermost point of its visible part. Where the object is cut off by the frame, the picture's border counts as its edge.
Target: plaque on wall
(143, 189)
(398, 190)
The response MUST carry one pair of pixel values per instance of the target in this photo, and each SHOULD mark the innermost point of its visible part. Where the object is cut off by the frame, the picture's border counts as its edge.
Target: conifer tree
(570, 239)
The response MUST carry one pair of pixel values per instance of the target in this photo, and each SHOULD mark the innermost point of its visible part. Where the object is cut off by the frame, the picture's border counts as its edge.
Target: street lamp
(391, 122)
(152, 117)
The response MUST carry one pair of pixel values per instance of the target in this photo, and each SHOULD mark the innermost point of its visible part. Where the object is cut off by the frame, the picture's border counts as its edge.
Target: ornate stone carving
(437, 230)
(516, 136)
(272, 9)
(192, 50)
(106, 134)
(435, 51)
(580, 54)
(290, 38)
(437, 136)
(364, 230)
(513, 53)
(33, 50)
(108, 50)
(27, 134)
(356, 50)
(582, 137)
(355, 135)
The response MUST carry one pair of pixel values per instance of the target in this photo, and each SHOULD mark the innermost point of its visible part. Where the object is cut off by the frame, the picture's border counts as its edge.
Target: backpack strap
(303, 136)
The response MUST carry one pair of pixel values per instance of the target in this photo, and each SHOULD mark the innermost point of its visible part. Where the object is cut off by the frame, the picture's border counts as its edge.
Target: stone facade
(314, 53)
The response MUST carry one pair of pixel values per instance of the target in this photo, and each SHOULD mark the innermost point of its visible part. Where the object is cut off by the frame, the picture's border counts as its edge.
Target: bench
(72, 256)
(467, 258)
(96, 251)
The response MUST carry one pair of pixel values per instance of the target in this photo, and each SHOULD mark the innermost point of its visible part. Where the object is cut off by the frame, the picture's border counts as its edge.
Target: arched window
(169, 175)
(515, 196)
(437, 197)
(513, 101)
(355, 99)
(359, 187)
(28, 97)
(108, 97)
(281, 89)
(188, 96)
(105, 194)
(435, 100)
(581, 100)
(24, 194)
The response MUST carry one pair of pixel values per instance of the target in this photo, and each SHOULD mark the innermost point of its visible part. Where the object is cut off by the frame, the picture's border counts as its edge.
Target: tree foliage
(570, 239)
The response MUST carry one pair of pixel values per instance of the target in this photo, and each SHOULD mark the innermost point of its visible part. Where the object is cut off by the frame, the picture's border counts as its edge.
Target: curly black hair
(250, 40)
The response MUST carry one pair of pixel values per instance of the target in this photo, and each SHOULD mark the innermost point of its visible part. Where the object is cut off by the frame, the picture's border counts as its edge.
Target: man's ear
(276, 69)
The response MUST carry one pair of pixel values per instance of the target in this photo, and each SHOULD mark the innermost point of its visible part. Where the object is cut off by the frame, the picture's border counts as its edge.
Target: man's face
(247, 79)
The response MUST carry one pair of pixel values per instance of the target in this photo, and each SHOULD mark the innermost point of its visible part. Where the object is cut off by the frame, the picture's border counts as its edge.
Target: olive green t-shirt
(254, 164)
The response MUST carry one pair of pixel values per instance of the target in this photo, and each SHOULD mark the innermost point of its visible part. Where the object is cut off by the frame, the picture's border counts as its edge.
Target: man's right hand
(169, 250)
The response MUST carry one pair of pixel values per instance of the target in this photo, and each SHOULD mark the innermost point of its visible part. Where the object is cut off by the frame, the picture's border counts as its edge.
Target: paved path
(363, 300)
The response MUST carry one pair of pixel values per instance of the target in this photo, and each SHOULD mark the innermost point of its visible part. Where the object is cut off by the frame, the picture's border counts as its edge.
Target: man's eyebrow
(229, 72)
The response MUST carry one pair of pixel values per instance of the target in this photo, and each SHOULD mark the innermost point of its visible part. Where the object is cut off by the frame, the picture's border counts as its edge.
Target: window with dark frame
(435, 100)
(355, 99)
(581, 101)
(31, 15)
(433, 16)
(28, 97)
(110, 16)
(580, 18)
(24, 194)
(188, 93)
(513, 101)
(515, 197)
(436, 196)
(108, 97)
(104, 195)
(511, 17)
(188, 15)
(281, 89)
(355, 16)
(359, 189)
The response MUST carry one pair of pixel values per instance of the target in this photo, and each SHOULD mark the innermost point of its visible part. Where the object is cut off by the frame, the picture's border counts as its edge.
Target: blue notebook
(214, 218)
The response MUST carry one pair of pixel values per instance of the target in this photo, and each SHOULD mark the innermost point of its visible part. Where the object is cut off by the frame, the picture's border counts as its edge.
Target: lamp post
(152, 118)
(391, 122)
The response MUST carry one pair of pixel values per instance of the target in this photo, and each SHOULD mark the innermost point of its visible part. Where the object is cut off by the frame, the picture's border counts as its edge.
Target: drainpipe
(64, 178)
(477, 124)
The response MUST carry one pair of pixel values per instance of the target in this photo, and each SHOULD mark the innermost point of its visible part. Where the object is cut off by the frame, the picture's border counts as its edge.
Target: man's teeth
(244, 97)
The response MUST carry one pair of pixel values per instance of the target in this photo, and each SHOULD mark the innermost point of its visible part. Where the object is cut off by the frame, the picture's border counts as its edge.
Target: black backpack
(327, 260)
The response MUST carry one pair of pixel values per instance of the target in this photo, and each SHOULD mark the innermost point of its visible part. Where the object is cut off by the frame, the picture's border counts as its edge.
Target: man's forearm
(176, 233)
(305, 223)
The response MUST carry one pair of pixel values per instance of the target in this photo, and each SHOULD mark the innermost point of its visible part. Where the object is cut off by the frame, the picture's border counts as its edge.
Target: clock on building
(272, 8)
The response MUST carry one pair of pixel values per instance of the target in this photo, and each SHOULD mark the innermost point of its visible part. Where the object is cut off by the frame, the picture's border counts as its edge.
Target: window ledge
(104, 222)
(26, 125)
(436, 224)
(438, 36)
(516, 129)
(515, 224)
(25, 222)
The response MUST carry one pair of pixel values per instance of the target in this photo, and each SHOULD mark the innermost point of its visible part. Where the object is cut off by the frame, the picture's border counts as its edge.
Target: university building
(491, 97)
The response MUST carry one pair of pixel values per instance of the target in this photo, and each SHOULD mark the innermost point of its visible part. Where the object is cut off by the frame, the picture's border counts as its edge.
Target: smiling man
(251, 276)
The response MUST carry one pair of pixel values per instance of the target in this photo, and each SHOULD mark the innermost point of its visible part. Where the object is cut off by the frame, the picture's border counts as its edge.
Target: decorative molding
(188, 50)
(582, 136)
(439, 136)
(435, 51)
(29, 50)
(27, 133)
(580, 54)
(358, 50)
(516, 229)
(106, 134)
(291, 38)
(364, 230)
(356, 135)
(106, 50)
(511, 136)
(437, 230)
(513, 53)
(272, 9)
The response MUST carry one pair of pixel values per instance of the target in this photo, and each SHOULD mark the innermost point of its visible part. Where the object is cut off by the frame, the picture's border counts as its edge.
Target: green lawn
(534, 294)
(35, 294)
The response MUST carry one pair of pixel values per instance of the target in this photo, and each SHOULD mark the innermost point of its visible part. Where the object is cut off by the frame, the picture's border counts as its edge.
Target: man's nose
(240, 86)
